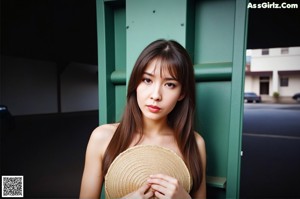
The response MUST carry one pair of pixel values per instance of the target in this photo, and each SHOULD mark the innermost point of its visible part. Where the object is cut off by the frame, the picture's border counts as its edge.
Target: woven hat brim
(131, 168)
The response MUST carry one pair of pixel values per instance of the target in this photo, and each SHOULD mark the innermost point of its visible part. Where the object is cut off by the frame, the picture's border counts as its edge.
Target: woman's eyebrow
(166, 78)
(147, 73)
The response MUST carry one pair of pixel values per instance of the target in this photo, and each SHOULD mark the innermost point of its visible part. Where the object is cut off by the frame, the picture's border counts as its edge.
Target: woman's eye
(170, 85)
(146, 80)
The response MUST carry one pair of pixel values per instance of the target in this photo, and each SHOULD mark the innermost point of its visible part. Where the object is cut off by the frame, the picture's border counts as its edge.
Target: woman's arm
(201, 193)
(92, 178)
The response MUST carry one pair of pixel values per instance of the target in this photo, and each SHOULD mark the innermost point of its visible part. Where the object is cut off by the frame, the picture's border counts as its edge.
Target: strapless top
(131, 169)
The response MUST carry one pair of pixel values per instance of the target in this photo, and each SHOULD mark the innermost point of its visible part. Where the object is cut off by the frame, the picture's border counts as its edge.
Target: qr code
(12, 186)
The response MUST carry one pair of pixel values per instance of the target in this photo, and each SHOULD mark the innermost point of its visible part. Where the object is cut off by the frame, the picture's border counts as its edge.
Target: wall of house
(79, 88)
(275, 61)
(30, 86)
(294, 86)
(252, 84)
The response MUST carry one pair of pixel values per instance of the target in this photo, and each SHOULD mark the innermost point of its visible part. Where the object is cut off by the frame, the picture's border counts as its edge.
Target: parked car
(296, 97)
(251, 97)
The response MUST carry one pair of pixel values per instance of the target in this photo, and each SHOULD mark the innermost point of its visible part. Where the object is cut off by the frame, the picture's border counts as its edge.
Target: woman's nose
(156, 93)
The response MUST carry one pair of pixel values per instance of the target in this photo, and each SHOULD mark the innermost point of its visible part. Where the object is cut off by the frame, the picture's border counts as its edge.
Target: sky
(270, 26)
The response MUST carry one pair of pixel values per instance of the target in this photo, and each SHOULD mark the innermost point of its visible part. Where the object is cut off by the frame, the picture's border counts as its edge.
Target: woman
(159, 111)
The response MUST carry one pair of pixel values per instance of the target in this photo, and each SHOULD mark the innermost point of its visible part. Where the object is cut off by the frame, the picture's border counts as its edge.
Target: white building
(273, 70)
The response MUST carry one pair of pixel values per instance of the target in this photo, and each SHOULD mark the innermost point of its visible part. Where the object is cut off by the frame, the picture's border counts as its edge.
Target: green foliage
(276, 95)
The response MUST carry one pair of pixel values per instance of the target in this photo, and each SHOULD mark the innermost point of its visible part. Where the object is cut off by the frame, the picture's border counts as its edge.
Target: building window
(284, 81)
(284, 51)
(265, 51)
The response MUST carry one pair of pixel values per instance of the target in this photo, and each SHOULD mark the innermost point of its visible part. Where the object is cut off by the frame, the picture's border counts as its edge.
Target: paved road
(271, 151)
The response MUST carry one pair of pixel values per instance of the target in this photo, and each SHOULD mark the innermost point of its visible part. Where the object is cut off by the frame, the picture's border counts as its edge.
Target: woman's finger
(159, 195)
(161, 189)
(158, 181)
(140, 193)
(143, 189)
(163, 177)
(149, 194)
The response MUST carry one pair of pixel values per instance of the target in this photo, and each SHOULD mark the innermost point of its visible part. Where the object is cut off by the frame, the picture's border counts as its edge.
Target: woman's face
(158, 92)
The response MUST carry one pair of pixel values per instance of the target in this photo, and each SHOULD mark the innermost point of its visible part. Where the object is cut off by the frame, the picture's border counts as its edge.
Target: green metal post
(105, 32)
(237, 100)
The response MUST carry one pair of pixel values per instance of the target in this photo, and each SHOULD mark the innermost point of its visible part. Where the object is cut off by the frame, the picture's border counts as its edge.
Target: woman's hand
(143, 192)
(165, 186)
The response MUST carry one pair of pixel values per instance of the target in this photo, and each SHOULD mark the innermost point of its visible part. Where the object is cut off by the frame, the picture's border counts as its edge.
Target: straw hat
(131, 169)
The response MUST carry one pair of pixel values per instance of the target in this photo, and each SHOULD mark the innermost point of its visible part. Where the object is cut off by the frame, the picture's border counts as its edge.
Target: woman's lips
(153, 109)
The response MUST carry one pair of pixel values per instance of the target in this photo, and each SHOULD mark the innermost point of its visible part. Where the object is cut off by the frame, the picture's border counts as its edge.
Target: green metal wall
(214, 33)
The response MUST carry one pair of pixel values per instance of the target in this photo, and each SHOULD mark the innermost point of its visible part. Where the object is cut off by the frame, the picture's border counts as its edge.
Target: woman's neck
(158, 133)
(156, 128)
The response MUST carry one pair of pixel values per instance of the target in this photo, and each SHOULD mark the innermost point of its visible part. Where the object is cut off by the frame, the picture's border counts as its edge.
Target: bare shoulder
(101, 136)
(200, 141)
(201, 145)
(104, 132)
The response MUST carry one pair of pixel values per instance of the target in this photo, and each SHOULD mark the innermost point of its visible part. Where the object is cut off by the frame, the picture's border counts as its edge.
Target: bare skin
(157, 95)
(93, 178)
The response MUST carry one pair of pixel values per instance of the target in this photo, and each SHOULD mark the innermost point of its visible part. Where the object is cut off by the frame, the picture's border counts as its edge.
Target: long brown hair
(181, 119)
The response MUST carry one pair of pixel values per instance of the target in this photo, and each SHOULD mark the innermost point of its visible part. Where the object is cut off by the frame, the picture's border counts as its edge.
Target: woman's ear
(181, 97)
